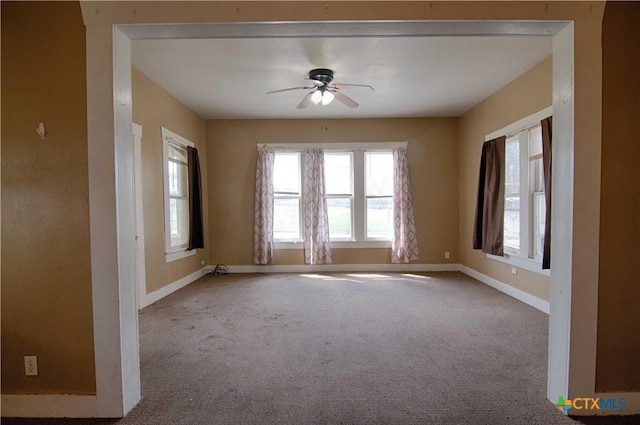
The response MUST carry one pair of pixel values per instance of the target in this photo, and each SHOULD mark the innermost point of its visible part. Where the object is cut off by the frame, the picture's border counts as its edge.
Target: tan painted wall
(154, 108)
(432, 151)
(524, 96)
(46, 278)
(619, 291)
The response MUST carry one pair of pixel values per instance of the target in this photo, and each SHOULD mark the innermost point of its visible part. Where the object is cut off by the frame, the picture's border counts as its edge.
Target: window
(524, 198)
(176, 195)
(379, 194)
(286, 197)
(536, 179)
(524, 204)
(512, 194)
(338, 176)
(358, 187)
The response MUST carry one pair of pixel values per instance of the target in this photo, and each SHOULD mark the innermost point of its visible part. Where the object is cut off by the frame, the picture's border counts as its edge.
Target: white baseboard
(339, 268)
(49, 406)
(516, 293)
(148, 299)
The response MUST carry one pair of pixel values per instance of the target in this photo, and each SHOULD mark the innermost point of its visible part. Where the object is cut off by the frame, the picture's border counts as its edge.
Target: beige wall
(154, 108)
(46, 274)
(433, 156)
(619, 291)
(524, 96)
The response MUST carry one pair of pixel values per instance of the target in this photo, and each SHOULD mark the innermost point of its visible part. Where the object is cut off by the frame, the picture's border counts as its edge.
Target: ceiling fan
(322, 91)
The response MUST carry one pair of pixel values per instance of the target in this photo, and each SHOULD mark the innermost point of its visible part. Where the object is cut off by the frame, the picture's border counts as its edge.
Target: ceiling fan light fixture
(322, 91)
(327, 97)
(316, 97)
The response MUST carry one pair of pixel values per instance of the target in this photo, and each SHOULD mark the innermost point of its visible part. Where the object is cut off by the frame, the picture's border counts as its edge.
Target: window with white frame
(512, 226)
(358, 187)
(338, 176)
(536, 186)
(379, 194)
(524, 199)
(176, 195)
(524, 203)
(287, 197)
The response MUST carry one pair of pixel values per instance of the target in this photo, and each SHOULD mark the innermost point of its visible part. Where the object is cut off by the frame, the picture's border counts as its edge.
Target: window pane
(379, 173)
(337, 173)
(512, 222)
(380, 218)
(535, 160)
(537, 175)
(178, 202)
(177, 153)
(535, 141)
(286, 218)
(512, 165)
(339, 210)
(539, 211)
(177, 179)
(511, 235)
(286, 174)
(173, 217)
(178, 222)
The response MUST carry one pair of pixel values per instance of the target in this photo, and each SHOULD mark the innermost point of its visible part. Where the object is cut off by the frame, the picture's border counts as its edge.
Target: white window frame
(359, 239)
(521, 258)
(365, 197)
(171, 254)
(352, 195)
(293, 242)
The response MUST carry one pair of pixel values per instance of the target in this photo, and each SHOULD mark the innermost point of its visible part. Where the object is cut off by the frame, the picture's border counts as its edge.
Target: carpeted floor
(282, 349)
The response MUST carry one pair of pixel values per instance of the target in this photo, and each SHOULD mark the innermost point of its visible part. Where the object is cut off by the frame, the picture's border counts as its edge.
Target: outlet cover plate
(31, 365)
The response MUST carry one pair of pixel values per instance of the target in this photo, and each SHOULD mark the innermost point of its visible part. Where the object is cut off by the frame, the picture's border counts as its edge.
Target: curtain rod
(335, 146)
(522, 124)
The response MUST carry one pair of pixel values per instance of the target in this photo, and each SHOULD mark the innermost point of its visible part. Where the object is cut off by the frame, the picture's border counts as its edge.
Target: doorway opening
(119, 314)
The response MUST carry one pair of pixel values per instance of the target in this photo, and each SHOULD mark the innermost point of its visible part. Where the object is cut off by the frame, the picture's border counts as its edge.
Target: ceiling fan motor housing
(325, 76)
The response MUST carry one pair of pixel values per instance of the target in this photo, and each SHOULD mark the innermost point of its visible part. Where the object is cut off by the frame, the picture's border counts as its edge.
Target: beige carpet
(437, 348)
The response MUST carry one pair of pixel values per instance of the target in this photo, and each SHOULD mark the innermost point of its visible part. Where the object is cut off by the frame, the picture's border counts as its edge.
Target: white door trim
(111, 212)
(109, 114)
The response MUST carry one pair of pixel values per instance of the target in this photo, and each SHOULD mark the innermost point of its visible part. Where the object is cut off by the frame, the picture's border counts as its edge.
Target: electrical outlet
(31, 365)
(514, 270)
(202, 262)
(447, 255)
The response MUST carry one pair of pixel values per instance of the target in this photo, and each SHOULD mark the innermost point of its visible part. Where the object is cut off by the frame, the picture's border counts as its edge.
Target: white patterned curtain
(404, 247)
(316, 217)
(263, 207)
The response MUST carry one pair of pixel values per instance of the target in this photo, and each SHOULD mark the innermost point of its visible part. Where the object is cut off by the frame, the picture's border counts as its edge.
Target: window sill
(176, 255)
(523, 263)
(337, 244)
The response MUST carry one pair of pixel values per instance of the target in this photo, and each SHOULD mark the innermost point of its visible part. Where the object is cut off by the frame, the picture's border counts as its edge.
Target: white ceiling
(412, 76)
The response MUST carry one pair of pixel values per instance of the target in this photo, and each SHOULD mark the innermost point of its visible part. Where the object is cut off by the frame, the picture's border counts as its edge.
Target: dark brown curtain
(196, 232)
(489, 224)
(477, 225)
(546, 162)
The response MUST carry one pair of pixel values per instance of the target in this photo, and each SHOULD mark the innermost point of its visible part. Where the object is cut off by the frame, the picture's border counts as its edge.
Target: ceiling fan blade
(316, 82)
(344, 86)
(305, 101)
(345, 99)
(289, 89)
